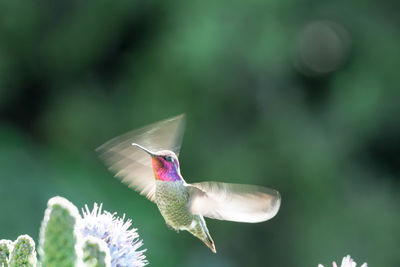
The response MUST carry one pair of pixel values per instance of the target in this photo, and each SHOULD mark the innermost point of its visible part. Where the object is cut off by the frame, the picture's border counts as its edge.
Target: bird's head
(165, 164)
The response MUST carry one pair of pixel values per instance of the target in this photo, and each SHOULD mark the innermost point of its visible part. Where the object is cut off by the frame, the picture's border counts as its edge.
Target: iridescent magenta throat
(164, 170)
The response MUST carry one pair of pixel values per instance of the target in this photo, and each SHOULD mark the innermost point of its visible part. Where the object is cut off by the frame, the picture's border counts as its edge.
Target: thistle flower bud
(23, 252)
(346, 262)
(6, 247)
(122, 242)
(59, 242)
(96, 253)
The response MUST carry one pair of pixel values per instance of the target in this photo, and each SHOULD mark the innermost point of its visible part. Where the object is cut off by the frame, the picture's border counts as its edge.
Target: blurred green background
(300, 96)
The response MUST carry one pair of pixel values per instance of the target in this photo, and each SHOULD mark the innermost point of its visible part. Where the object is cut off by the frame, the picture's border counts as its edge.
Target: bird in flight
(146, 160)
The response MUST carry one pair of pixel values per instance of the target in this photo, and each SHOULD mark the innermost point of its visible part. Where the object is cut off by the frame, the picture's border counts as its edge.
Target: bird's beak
(145, 150)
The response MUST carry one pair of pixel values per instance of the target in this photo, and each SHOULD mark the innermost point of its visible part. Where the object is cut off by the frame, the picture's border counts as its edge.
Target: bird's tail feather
(209, 242)
(204, 235)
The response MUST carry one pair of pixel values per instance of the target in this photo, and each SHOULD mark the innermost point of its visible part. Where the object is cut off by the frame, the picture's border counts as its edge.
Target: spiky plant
(6, 247)
(99, 239)
(23, 253)
(95, 252)
(123, 242)
(346, 262)
(59, 237)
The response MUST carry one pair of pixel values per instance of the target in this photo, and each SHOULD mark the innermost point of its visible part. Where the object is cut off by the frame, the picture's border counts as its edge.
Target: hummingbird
(146, 160)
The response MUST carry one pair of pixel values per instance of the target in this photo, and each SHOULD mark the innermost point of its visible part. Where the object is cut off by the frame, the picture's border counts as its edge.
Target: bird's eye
(169, 158)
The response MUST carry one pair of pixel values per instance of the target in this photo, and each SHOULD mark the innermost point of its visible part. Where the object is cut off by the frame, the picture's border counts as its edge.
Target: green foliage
(96, 253)
(23, 253)
(58, 236)
(6, 247)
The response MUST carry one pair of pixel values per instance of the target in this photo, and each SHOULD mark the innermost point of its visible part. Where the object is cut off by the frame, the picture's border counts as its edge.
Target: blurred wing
(132, 164)
(234, 202)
